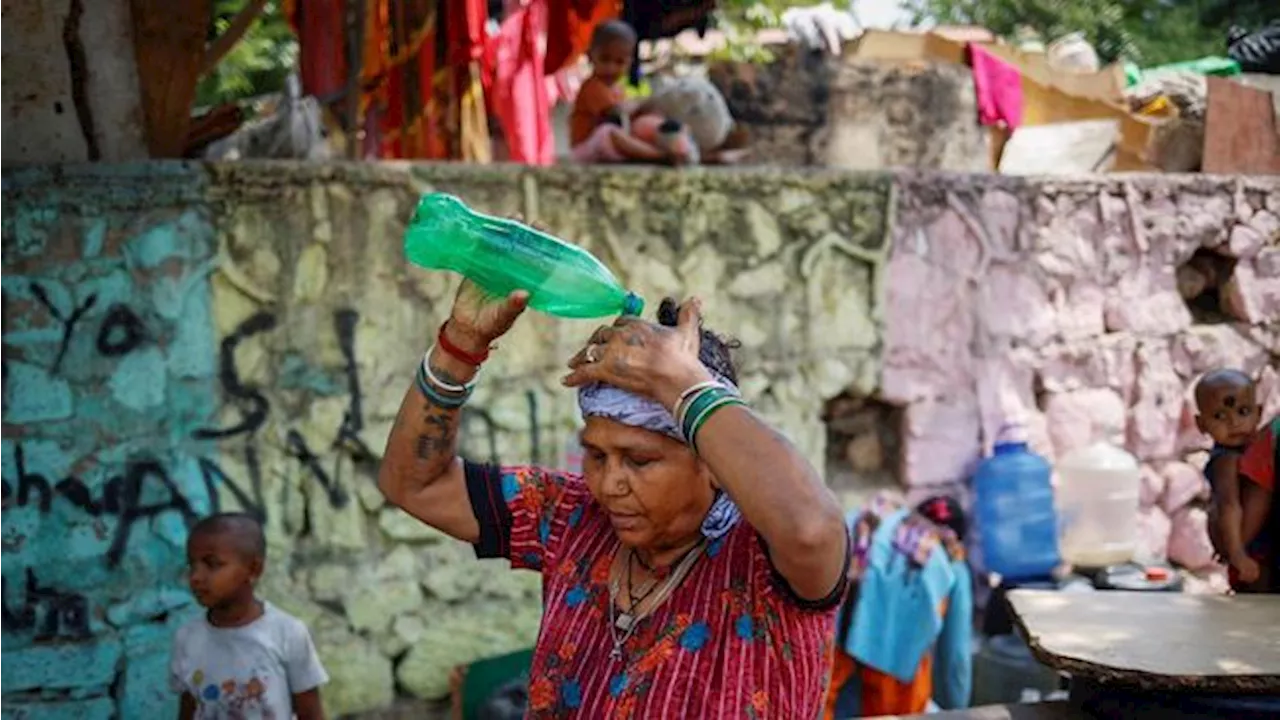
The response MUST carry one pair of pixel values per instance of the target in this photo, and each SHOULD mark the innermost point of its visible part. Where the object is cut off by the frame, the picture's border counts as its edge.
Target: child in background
(601, 129)
(244, 658)
(1228, 412)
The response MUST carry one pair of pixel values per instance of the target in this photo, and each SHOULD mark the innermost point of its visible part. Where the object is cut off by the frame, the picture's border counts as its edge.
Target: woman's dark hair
(716, 349)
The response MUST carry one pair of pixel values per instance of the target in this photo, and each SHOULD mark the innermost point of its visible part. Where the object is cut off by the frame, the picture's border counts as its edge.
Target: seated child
(1228, 412)
(244, 657)
(601, 129)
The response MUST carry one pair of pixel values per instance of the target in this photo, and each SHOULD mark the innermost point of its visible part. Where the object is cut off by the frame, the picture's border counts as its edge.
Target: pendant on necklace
(615, 654)
(624, 622)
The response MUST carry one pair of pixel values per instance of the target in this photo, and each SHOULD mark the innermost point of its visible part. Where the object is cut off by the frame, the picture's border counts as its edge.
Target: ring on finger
(591, 353)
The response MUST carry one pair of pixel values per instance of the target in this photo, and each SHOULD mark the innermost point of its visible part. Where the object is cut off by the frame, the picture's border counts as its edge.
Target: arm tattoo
(439, 433)
(438, 437)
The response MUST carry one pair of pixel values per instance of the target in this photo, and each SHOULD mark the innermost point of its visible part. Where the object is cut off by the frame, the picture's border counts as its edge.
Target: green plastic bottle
(502, 256)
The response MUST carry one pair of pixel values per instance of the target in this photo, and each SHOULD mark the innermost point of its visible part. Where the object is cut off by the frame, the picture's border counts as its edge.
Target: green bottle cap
(632, 305)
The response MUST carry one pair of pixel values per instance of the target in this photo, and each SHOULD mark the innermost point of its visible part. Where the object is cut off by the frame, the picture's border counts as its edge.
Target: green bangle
(701, 419)
(694, 406)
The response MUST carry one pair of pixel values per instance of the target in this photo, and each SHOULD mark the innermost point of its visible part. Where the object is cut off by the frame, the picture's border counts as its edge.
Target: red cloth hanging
(420, 95)
(519, 95)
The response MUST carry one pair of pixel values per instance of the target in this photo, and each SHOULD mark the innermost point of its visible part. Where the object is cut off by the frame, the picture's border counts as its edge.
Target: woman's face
(655, 490)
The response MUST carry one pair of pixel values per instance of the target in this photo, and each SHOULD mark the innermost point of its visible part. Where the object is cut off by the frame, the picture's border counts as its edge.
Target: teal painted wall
(109, 369)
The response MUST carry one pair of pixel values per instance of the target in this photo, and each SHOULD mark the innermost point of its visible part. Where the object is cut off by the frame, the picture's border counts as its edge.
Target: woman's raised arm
(421, 472)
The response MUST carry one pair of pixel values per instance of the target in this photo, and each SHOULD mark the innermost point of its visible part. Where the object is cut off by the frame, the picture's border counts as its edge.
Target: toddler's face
(611, 60)
(1229, 415)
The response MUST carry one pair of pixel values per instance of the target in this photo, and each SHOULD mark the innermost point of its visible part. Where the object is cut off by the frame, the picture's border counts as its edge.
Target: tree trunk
(70, 91)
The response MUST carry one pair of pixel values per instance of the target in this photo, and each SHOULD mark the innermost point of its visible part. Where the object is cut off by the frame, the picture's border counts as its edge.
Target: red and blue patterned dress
(731, 641)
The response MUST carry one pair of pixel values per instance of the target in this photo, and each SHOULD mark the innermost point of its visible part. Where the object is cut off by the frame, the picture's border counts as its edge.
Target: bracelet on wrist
(444, 394)
(698, 403)
(474, 359)
(449, 388)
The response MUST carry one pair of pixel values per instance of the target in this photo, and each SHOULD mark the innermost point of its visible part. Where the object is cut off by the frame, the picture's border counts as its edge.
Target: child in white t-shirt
(244, 659)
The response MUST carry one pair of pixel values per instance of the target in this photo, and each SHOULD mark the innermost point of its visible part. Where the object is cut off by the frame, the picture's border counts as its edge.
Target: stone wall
(179, 338)
(1083, 310)
(810, 109)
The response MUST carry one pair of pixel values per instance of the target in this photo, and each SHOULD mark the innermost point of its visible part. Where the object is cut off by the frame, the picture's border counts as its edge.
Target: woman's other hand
(644, 358)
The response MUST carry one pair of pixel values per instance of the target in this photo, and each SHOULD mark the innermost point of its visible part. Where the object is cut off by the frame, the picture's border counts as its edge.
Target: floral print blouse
(731, 641)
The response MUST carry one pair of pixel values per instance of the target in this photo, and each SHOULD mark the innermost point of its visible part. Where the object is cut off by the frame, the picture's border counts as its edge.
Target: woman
(676, 584)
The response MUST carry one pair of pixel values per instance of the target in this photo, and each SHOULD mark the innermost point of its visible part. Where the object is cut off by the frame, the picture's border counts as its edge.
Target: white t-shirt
(245, 673)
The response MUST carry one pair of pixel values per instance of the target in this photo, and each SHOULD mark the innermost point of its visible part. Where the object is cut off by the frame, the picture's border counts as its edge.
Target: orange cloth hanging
(569, 27)
(420, 91)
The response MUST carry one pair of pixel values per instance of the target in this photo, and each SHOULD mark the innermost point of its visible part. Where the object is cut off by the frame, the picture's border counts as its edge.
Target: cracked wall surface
(184, 337)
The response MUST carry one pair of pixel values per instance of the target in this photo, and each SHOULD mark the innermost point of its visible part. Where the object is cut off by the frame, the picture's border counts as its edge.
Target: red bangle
(472, 359)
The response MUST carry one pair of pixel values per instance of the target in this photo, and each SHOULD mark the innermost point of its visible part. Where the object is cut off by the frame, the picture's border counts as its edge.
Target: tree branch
(240, 24)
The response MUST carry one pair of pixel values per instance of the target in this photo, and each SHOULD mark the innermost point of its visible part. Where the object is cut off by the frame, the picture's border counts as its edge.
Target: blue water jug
(1015, 511)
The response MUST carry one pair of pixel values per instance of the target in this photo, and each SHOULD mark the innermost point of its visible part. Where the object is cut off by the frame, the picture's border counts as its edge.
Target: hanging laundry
(569, 27)
(998, 87)
(420, 94)
(656, 19)
(519, 92)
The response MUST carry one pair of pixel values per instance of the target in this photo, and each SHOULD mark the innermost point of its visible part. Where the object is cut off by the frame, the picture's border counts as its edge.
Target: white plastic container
(1097, 494)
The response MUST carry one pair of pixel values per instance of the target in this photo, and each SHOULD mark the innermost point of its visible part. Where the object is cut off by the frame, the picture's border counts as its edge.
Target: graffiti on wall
(113, 383)
(254, 409)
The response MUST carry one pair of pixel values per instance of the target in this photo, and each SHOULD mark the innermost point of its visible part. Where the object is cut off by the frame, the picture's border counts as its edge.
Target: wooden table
(1056, 710)
(1160, 650)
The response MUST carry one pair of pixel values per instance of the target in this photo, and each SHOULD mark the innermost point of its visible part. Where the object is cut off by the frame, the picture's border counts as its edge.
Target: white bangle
(447, 387)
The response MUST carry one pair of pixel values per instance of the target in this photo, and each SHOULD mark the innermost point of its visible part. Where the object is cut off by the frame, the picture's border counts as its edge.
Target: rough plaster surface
(809, 108)
(255, 326)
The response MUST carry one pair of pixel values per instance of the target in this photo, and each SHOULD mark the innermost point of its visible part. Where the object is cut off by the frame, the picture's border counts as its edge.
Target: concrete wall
(810, 109)
(179, 338)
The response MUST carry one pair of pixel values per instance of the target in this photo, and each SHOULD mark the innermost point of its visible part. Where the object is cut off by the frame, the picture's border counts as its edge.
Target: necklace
(647, 589)
(622, 625)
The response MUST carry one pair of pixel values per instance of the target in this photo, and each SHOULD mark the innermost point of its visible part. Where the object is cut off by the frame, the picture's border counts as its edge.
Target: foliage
(256, 65)
(739, 20)
(1150, 32)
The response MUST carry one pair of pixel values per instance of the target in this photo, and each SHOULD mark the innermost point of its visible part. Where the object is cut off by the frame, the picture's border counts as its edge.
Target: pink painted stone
(1205, 217)
(941, 441)
(1000, 212)
(1080, 311)
(928, 328)
(1268, 226)
(1147, 302)
(1190, 438)
(1012, 304)
(1081, 417)
(1154, 530)
(1184, 484)
(1063, 252)
(1251, 296)
(1208, 347)
(1157, 407)
(1267, 262)
(1269, 391)
(1245, 242)
(1160, 221)
(1105, 362)
(1006, 395)
(1151, 487)
(1189, 544)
